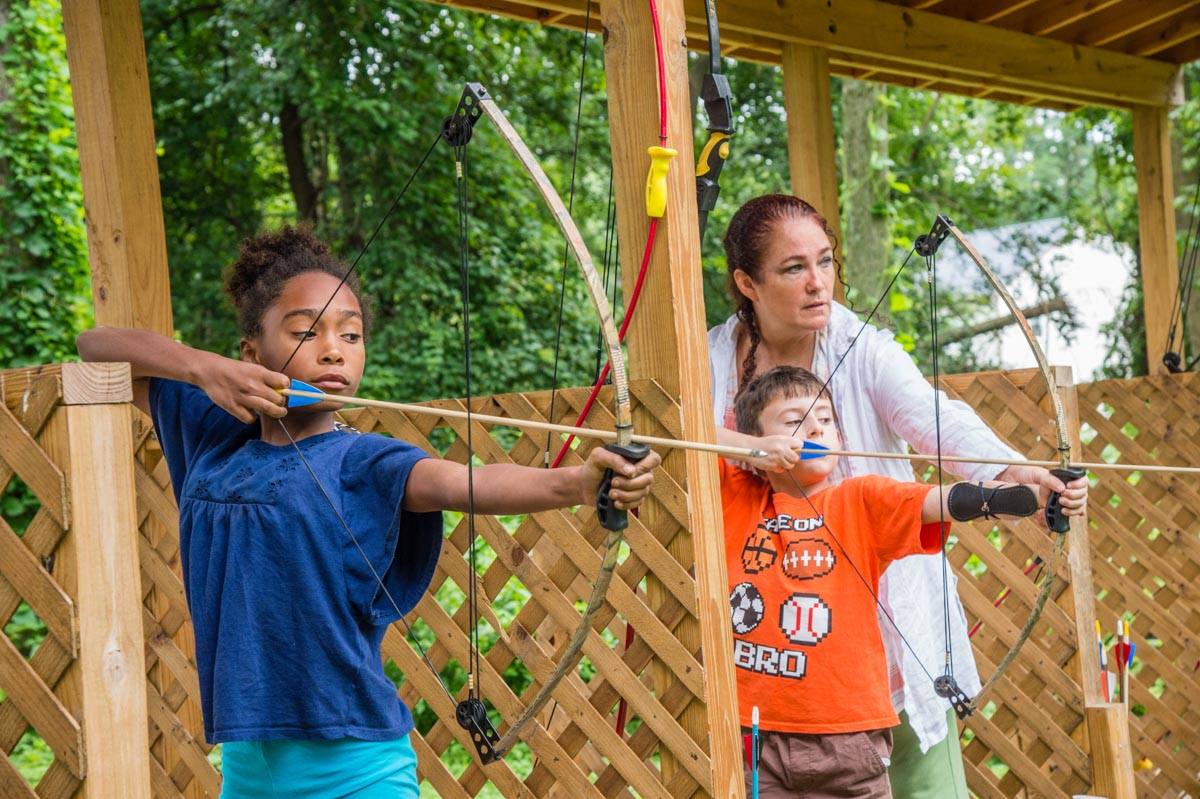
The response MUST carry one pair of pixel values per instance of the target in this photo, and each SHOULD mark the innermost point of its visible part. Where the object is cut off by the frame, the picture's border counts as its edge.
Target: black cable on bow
(1173, 357)
(926, 246)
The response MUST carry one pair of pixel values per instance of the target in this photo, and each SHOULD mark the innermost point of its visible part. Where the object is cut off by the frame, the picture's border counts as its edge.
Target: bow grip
(612, 517)
(1055, 519)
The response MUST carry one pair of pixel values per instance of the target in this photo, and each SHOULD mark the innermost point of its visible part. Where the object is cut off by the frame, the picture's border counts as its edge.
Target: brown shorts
(849, 765)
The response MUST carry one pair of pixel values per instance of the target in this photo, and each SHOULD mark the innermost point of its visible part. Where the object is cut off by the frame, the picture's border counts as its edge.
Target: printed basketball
(805, 619)
(746, 608)
(807, 559)
(759, 552)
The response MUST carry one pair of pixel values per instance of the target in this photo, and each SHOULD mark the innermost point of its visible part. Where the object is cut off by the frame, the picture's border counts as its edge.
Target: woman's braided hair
(745, 239)
(268, 261)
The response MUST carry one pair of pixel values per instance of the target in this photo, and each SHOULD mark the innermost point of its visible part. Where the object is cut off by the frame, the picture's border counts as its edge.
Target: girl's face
(795, 282)
(333, 355)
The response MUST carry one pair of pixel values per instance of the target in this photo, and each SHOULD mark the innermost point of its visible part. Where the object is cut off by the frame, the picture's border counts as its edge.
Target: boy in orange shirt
(807, 646)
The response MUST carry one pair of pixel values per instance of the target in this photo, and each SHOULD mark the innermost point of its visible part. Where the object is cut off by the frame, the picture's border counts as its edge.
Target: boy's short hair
(786, 381)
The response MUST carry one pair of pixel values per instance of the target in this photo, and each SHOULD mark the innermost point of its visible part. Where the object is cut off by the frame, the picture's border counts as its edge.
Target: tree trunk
(291, 126)
(865, 219)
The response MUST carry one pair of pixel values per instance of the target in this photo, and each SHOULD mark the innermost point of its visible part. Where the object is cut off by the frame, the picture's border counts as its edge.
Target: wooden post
(1112, 755)
(667, 343)
(1156, 227)
(90, 437)
(812, 151)
(1107, 724)
(115, 128)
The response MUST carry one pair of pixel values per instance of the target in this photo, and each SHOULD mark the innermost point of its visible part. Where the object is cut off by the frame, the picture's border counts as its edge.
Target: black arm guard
(969, 501)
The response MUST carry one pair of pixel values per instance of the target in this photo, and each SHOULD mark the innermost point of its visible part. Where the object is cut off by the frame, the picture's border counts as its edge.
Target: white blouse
(883, 401)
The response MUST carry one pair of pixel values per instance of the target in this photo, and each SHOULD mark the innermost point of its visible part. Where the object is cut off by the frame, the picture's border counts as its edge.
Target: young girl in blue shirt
(288, 613)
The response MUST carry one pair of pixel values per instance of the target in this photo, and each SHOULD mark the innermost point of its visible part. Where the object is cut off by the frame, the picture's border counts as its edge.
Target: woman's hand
(1073, 495)
(781, 453)
(244, 389)
(631, 481)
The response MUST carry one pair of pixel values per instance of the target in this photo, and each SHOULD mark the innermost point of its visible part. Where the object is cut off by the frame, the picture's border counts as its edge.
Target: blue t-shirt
(287, 615)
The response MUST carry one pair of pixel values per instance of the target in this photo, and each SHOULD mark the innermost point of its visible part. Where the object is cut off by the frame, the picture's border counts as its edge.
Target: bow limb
(574, 239)
(1062, 439)
(476, 101)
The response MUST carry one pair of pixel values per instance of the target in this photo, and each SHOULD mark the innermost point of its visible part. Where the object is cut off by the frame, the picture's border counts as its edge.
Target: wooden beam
(1184, 53)
(986, 11)
(988, 54)
(1051, 73)
(812, 151)
(1136, 16)
(667, 343)
(1043, 21)
(118, 163)
(1156, 227)
(78, 383)
(1163, 36)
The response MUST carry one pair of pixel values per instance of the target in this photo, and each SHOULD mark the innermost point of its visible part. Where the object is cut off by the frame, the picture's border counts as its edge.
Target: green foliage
(43, 258)
(371, 103)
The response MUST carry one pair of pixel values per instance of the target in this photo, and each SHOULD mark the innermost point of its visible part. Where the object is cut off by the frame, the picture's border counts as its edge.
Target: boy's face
(333, 354)
(779, 417)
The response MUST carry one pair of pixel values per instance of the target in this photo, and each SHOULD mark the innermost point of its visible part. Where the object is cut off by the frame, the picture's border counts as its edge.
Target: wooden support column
(1156, 227)
(90, 438)
(122, 205)
(1107, 724)
(667, 343)
(812, 150)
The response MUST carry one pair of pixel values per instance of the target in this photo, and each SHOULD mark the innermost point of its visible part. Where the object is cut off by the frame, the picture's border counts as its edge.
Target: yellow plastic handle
(656, 180)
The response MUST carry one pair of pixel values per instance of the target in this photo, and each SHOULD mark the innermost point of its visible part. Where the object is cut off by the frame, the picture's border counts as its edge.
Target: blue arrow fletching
(300, 402)
(812, 450)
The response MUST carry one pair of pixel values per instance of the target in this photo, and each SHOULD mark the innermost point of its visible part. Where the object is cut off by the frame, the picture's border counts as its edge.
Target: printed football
(807, 559)
(745, 608)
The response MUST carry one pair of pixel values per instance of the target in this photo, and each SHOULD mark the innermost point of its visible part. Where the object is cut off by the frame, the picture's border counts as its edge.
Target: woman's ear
(745, 284)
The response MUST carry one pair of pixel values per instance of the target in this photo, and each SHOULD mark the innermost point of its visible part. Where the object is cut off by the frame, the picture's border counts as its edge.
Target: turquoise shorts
(346, 768)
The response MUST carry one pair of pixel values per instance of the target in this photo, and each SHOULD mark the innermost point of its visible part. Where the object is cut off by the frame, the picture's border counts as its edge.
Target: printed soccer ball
(745, 608)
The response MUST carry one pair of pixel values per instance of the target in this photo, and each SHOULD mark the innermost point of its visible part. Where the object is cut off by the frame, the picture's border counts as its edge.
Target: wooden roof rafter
(894, 43)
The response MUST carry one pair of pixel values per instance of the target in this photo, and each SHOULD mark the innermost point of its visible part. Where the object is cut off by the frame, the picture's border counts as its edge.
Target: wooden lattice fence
(1030, 740)
(71, 652)
(1146, 562)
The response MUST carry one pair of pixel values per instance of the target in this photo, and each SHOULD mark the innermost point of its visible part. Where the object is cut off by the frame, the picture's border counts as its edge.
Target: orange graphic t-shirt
(806, 641)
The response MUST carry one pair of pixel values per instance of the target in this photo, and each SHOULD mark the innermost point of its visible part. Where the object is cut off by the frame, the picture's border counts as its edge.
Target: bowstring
(354, 264)
(947, 630)
(870, 315)
(464, 253)
(410, 635)
(1184, 291)
(562, 286)
(931, 282)
(886, 612)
